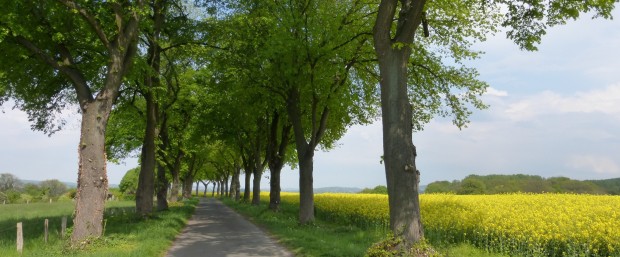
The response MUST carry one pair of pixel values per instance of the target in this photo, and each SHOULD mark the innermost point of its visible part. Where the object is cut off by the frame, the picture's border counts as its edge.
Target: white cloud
(494, 92)
(597, 164)
(605, 101)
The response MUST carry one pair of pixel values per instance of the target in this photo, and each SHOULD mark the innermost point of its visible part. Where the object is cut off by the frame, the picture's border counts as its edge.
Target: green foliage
(377, 190)
(611, 186)
(499, 184)
(53, 188)
(129, 182)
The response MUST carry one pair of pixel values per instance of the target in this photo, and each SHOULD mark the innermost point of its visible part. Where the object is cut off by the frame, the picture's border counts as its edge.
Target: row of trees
(13, 190)
(208, 89)
(501, 184)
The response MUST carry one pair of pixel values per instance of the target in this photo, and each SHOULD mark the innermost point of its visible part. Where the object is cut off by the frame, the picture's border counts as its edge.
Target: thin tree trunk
(197, 184)
(237, 183)
(213, 190)
(206, 185)
(219, 183)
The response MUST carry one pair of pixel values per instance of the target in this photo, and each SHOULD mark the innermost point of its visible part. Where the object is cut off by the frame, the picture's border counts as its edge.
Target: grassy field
(326, 237)
(125, 234)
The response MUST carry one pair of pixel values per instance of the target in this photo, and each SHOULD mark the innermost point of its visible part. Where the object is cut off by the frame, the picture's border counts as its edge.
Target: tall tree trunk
(206, 185)
(306, 189)
(246, 190)
(276, 153)
(175, 172)
(222, 188)
(274, 189)
(237, 184)
(398, 149)
(227, 188)
(213, 189)
(146, 178)
(305, 150)
(197, 184)
(162, 184)
(256, 186)
(219, 183)
(92, 181)
(188, 181)
(162, 188)
(175, 186)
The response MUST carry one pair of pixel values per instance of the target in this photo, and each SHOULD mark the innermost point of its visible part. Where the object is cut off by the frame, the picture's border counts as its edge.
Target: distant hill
(499, 184)
(324, 190)
(36, 182)
(68, 184)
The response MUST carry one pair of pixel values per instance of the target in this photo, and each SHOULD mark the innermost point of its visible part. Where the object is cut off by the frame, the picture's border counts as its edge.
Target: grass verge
(325, 238)
(125, 233)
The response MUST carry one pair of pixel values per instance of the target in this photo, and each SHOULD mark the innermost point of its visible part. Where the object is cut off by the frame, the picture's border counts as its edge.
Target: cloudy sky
(554, 112)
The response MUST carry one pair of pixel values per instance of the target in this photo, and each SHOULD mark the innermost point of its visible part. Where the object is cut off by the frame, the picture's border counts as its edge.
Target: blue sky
(554, 112)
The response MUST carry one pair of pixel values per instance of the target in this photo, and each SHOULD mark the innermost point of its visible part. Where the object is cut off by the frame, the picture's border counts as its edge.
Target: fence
(20, 232)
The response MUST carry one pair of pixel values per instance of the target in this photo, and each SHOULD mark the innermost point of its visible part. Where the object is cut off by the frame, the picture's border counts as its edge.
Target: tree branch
(90, 19)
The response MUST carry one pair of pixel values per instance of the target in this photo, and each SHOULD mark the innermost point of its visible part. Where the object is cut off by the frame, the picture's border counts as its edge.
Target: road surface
(217, 231)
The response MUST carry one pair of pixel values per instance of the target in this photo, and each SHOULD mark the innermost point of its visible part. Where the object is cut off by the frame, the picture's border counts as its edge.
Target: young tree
(72, 51)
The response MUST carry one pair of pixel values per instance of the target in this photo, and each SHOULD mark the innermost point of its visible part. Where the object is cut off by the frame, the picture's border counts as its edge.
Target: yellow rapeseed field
(517, 224)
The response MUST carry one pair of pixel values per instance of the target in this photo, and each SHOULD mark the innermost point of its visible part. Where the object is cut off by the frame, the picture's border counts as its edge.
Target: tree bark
(213, 189)
(162, 184)
(162, 188)
(306, 189)
(197, 184)
(188, 182)
(146, 179)
(92, 176)
(256, 186)
(237, 184)
(276, 153)
(246, 190)
(399, 152)
(204, 193)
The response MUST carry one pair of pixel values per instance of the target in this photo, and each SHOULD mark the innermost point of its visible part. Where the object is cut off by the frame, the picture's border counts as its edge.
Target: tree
(403, 61)
(317, 67)
(129, 182)
(72, 52)
(53, 187)
(9, 181)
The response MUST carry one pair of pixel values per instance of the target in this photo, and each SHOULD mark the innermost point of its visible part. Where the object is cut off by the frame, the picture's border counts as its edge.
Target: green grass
(125, 233)
(324, 238)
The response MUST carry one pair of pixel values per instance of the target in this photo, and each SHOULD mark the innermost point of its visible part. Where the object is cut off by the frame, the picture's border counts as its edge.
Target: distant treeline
(500, 184)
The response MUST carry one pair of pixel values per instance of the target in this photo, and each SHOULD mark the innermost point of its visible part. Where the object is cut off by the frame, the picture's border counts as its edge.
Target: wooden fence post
(45, 230)
(63, 226)
(20, 238)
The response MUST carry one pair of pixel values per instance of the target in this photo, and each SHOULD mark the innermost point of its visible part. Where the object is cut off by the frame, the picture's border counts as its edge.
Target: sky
(554, 112)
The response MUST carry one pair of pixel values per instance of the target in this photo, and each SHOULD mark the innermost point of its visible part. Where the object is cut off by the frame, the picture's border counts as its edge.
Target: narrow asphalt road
(217, 231)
